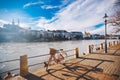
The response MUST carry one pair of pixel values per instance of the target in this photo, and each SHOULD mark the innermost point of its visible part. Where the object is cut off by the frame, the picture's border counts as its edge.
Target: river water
(9, 51)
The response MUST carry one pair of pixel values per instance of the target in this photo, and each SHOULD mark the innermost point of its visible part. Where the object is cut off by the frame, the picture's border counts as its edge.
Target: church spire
(13, 23)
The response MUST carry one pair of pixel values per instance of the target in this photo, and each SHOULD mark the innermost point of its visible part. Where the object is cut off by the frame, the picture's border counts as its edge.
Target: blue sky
(70, 15)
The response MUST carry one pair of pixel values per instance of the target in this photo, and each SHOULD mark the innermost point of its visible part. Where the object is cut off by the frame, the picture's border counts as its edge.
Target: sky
(70, 15)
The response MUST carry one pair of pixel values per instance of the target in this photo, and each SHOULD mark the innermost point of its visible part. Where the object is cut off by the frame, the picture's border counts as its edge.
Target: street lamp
(105, 17)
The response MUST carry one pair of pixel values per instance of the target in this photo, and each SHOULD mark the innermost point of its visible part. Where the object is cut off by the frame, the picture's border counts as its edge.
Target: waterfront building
(61, 35)
(11, 32)
(97, 36)
(76, 35)
(50, 35)
(87, 35)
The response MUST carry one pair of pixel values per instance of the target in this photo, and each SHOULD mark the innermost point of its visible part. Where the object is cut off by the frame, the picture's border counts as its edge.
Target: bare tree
(115, 18)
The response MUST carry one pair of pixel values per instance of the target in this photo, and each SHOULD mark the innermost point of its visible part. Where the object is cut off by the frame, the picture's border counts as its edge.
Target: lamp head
(105, 16)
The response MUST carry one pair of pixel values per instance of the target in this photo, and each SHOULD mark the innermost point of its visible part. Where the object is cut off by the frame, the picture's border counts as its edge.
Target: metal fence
(39, 59)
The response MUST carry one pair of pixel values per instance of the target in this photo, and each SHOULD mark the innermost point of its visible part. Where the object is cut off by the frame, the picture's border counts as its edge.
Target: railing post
(117, 42)
(109, 44)
(101, 46)
(90, 51)
(76, 53)
(23, 65)
(114, 43)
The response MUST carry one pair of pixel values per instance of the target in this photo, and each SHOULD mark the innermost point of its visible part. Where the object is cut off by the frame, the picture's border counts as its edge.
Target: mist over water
(9, 51)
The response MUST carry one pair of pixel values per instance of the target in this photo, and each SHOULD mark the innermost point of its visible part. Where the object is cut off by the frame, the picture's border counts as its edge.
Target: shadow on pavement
(31, 76)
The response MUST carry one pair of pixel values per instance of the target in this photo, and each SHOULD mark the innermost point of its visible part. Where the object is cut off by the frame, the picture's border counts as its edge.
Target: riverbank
(97, 66)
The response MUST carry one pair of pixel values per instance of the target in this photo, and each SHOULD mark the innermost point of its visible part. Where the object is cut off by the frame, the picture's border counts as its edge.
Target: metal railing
(32, 57)
(37, 56)
(101, 46)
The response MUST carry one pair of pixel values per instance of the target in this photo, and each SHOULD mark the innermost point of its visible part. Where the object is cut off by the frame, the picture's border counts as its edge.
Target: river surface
(9, 51)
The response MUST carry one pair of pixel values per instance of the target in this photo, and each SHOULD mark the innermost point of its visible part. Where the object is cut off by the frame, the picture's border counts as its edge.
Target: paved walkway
(97, 66)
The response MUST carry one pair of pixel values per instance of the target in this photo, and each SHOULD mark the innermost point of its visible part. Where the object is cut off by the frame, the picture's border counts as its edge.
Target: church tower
(13, 23)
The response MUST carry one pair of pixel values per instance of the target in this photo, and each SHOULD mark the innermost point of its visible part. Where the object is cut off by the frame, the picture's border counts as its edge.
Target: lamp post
(105, 17)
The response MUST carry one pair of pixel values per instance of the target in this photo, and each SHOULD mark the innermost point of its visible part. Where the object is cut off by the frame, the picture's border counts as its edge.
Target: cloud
(25, 20)
(64, 3)
(23, 25)
(80, 15)
(49, 7)
(32, 3)
(74, 15)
